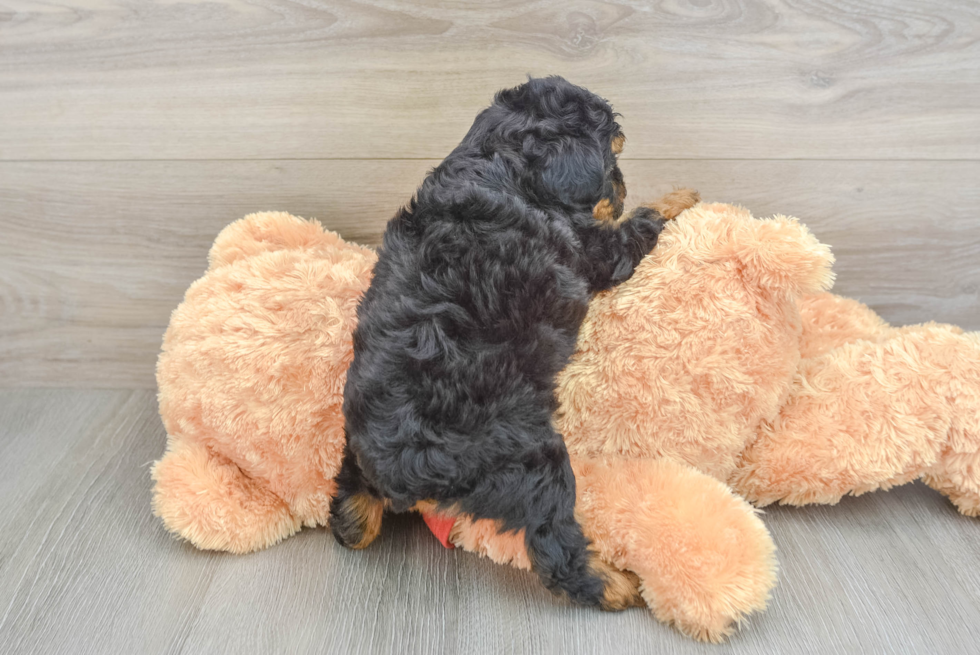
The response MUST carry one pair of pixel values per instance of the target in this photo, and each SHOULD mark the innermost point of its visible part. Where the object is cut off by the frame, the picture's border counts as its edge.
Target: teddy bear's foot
(704, 558)
(957, 473)
(206, 499)
(958, 476)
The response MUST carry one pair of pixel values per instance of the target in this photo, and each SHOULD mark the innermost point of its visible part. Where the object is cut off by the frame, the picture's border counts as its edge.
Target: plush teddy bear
(720, 362)
(724, 351)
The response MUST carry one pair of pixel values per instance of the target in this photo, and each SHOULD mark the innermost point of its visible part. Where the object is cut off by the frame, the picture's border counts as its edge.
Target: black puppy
(479, 290)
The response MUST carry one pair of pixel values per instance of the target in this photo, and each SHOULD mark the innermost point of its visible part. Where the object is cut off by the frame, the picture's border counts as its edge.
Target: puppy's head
(557, 142)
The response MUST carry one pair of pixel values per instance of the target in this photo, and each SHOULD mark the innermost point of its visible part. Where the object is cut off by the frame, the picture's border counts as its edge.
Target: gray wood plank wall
(132, 131)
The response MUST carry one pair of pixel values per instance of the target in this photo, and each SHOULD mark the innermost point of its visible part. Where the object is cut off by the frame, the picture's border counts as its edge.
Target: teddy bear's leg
(830, 321)
(703, 557)
(871, 415)
(206, 499)
(957, 473)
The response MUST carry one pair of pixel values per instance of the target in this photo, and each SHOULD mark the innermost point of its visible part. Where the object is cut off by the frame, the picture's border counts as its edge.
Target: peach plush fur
(721, 371)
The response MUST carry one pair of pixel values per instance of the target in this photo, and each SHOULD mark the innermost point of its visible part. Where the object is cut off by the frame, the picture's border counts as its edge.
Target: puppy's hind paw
(622, 588)
(356, 520)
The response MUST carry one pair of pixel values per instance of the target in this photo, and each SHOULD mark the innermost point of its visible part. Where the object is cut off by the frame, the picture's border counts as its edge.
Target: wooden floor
(85, 568)
(131, 131)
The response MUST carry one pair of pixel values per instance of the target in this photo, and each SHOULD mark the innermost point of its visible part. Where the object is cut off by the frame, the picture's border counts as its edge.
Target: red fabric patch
(440, 527)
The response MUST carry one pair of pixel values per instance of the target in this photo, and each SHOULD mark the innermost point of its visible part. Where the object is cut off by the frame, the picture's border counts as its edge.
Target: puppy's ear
(574, 172)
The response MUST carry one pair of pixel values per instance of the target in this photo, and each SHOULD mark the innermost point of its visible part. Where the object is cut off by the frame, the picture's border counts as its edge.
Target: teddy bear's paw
(957, 473)
(704, 558)
(718, 568)
(966, 501)
(676, 202)
(713, 629)
(208, 501)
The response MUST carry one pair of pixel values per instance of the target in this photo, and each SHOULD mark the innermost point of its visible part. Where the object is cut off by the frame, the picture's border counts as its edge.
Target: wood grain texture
(85, 568)
(132, 131)
(272, 79)
(96, 255)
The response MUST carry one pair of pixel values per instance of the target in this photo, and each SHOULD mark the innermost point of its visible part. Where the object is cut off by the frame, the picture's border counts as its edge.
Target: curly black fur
(479, 290)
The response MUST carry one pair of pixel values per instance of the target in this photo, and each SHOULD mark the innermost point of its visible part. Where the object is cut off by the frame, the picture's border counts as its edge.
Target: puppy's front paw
(675, 202)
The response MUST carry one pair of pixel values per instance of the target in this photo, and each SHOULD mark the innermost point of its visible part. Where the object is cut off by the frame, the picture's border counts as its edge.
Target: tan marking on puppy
(604, 211)
(617, 143)
(424, 506)
(622, 587)
(675, 202)
(432, 507)
(367, 511)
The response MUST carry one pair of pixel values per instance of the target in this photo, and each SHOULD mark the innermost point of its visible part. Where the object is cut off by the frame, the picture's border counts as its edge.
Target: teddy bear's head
(251, 381)
(685, 358)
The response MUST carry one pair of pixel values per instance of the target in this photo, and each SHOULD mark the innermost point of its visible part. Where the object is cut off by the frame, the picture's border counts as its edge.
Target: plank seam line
(434, 159)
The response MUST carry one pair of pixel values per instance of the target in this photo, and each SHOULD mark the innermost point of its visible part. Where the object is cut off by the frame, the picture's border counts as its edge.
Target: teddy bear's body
(723, 361)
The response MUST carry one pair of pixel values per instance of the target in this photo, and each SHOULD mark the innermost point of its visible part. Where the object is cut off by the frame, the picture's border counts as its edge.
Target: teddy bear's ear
(782, 255)
(265, 232)
(778, 254)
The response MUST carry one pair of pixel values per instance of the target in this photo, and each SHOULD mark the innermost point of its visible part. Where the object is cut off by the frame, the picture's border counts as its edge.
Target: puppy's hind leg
(355, 513)
(565, 561)
(538, 495)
